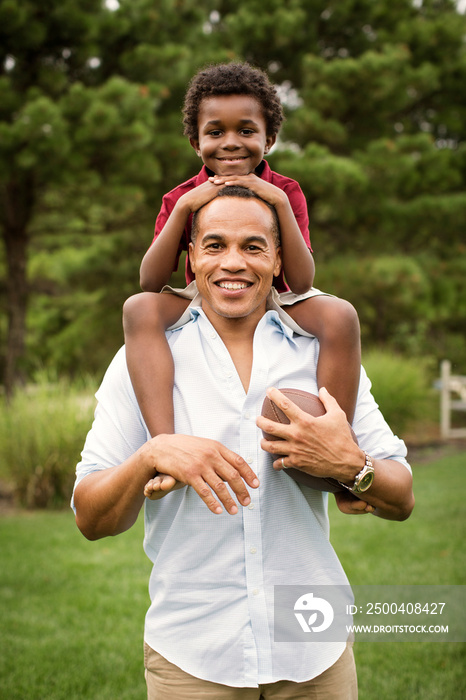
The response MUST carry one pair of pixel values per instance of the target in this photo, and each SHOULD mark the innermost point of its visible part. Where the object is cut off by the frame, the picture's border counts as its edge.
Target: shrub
(392, 295)
(42, 432)
(402, 387)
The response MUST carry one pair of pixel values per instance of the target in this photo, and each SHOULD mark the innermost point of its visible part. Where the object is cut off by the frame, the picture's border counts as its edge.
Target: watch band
(364, 479)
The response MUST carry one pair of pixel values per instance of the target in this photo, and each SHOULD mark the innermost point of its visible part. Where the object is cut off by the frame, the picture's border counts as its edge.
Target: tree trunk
(18, 203)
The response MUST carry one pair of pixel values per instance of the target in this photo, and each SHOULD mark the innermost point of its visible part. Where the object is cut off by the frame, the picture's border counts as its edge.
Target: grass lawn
(72, 611)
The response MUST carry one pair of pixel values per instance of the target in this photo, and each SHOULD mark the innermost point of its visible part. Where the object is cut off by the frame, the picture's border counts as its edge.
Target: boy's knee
(342, 319)
(137, 309)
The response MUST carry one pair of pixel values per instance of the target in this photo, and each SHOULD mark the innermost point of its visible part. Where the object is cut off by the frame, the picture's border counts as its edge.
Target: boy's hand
(198, 196)
(265, 190)
(160, 485)
(350, 505)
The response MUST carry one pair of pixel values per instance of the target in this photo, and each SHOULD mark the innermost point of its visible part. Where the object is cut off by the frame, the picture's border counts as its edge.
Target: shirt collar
(270, 317)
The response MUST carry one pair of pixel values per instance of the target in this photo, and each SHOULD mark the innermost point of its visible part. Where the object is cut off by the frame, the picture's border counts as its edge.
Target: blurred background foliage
(91, 138)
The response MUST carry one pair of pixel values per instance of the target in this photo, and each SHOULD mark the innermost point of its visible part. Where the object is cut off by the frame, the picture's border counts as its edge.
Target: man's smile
(233, 285)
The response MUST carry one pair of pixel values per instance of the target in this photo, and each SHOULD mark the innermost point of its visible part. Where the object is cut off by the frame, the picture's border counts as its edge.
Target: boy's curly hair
(231, 79)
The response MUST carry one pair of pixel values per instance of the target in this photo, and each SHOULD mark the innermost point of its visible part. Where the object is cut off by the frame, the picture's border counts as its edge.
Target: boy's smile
(232, 134)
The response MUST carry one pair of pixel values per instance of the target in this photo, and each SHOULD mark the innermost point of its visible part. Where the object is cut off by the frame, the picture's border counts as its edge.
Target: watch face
(366, 481)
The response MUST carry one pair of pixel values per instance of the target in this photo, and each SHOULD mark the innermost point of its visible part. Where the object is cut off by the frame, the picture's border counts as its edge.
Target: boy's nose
(231, 141)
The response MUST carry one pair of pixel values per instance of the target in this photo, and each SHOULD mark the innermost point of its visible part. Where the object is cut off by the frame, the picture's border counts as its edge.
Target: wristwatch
(364, 479)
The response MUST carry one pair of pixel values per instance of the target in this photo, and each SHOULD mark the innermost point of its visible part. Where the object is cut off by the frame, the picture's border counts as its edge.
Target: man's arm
(107, 502)
(324, 447)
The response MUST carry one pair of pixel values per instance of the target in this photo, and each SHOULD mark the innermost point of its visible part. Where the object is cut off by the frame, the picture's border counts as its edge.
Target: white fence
(452, 398)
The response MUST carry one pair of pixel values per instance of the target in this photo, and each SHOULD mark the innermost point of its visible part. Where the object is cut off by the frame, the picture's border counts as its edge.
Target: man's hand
(320, 446)
(205, 465)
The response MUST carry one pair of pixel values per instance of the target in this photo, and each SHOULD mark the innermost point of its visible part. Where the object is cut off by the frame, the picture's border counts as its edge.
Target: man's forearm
(391, 491)
(108, 502)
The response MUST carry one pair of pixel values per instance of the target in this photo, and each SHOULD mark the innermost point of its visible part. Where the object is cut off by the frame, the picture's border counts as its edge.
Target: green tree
(85, 94)
(91, 137)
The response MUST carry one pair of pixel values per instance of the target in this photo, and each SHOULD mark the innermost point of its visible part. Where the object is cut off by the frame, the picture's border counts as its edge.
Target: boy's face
(232, 136)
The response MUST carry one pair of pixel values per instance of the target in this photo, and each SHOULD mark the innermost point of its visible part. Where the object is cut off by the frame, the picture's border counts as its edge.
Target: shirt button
(213, 335)
(247, 415)
(251, 506)
(250, 460)
(253, 550)
(255, 591)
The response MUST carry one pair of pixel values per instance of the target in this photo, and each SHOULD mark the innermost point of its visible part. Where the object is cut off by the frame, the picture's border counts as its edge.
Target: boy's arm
(158, 263)
(298, 263)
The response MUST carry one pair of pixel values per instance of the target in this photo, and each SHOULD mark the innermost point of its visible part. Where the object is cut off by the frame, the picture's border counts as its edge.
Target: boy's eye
(215, 132)
(247, 132)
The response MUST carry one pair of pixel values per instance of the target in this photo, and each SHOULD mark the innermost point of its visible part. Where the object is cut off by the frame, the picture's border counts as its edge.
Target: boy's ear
(269, 142)
(195, 144)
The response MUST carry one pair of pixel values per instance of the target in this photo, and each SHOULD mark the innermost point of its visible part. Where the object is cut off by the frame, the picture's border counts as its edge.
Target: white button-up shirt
(213, 576)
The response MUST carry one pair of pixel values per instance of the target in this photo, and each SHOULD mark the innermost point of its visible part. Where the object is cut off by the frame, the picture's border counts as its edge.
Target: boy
(232, 116)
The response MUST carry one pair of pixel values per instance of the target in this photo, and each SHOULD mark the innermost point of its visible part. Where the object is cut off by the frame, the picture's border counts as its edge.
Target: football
(310, 404)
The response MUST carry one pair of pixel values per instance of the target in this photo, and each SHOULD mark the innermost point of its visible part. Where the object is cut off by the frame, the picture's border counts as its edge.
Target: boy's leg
(146, 317)
(335, 323)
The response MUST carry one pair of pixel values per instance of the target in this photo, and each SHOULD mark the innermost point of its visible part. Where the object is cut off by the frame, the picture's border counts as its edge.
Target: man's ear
(195, 144)
(191, 257)
(278, 262)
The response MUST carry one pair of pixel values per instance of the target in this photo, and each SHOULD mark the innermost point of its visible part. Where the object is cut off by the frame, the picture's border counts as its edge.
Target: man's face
(235, 258)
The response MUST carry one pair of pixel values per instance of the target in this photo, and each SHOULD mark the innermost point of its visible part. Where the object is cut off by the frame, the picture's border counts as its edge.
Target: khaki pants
(167, 682)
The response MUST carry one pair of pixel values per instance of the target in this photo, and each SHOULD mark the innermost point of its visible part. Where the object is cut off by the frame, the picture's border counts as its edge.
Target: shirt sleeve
(299, 206)
(168, 202)
(118, 429)
(372, 431)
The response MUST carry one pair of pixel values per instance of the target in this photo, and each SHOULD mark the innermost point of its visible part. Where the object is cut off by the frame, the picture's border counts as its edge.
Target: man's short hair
(243, 193)
(225, 79)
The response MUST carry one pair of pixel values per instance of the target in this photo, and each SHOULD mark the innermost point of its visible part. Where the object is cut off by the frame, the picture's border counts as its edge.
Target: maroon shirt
(291, 187)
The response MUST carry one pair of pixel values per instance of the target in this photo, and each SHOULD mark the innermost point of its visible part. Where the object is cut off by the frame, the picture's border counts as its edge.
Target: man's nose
(233, 260)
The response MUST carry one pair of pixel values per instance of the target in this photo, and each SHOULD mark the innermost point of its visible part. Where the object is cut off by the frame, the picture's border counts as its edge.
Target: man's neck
(237, 335)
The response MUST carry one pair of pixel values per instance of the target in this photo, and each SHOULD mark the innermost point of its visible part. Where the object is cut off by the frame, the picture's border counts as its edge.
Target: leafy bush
(42, 432)
(402, 387)
(413, 305)
(392, 295)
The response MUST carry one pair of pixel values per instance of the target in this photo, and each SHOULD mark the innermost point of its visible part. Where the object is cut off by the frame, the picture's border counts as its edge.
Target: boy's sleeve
(299, 206)
(168, 202)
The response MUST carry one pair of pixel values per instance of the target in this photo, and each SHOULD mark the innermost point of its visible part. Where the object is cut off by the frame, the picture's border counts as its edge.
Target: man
(209, 629)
